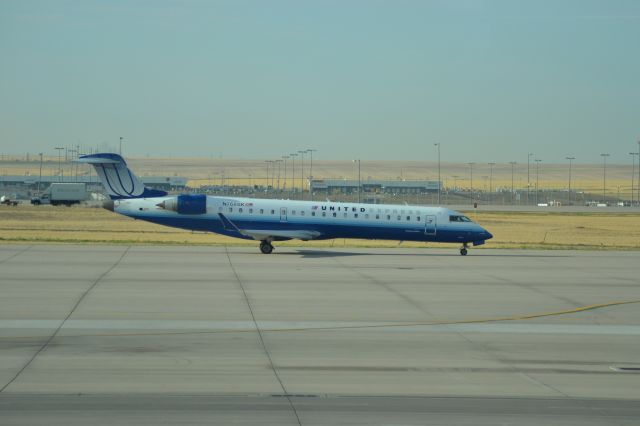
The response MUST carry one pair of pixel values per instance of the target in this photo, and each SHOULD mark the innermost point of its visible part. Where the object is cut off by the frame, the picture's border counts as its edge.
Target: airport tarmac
(170, 334)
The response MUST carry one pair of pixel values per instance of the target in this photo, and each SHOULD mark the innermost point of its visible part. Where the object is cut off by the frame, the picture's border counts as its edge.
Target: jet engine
(186, 204)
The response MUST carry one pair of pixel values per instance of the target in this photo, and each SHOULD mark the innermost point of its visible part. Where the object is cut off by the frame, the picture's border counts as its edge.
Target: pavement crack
(261, 336)
(15, 255)
(73, 309)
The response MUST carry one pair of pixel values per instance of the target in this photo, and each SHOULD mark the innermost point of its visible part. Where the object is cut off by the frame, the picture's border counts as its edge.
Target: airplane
(269, 220)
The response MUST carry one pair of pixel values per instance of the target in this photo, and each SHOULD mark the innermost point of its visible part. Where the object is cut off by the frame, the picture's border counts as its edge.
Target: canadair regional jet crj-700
(269, 220)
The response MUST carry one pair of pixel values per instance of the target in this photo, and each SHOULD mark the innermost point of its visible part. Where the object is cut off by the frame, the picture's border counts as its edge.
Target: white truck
(62, 194)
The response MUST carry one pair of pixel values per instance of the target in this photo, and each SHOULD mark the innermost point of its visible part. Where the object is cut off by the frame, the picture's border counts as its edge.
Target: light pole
(471, 178)
(72, 152)
(284, 186)
(513, 200)
(570, 161)
(604, 177)
(40, 179)
(529, 155)
(438, 145)
(491, 177)
(455, 182)
(537, 177)
(311, 151)
(120, 145)
(638, 197)
(359, 182)
(633, 172)
(59, 149)
(267, 184)
(301, 174)
(293, 172)
(278, 162)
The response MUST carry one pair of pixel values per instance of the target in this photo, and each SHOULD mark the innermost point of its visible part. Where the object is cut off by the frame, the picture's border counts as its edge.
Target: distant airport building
(25, 183)
(346, 186)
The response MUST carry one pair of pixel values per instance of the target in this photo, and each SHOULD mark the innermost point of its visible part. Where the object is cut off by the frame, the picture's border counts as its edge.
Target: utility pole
(311, 151)
(633, 173)
(570, 160)
(471, 178)
(491, 177)
(359, 182)
(537, 177)
(438, 145)
(604, 177)
(59, 149)
(120, 146)
(513, 202)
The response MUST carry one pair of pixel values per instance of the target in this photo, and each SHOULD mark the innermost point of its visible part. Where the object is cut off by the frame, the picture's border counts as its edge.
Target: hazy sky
(490, 80)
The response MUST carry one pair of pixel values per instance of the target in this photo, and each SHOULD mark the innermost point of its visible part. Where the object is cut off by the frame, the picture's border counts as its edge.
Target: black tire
(266, 248)
(463, 251)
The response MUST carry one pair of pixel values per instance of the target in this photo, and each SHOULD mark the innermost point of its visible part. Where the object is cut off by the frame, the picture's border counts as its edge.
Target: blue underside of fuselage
(327, 231)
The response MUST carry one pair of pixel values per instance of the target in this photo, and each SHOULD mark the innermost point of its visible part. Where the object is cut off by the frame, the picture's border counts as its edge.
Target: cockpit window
(459, 219)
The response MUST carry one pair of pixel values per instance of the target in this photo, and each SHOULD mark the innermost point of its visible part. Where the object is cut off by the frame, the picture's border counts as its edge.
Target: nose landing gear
(266, 247)
(463, 249)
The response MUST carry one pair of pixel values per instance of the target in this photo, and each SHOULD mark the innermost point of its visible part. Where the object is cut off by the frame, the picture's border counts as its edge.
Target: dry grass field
(44, 224)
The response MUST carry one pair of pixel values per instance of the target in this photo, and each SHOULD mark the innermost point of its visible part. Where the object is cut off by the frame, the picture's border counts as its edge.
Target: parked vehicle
(62, 194)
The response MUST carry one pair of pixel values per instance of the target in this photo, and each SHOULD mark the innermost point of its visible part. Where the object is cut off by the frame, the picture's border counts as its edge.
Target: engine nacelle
(186, 204)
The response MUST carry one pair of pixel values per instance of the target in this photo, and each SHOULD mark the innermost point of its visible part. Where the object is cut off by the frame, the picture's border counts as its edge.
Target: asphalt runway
(166, 335)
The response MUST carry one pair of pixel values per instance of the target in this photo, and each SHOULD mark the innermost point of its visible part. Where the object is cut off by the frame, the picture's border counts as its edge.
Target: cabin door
(283, 214)
(430, 224)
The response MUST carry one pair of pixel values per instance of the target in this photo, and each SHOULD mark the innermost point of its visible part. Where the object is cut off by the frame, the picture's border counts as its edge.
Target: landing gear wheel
(266, 247)
(463, 251)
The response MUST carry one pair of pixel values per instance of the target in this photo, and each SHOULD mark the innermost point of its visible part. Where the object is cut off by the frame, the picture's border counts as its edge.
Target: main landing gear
(463, 249)
(266, 247)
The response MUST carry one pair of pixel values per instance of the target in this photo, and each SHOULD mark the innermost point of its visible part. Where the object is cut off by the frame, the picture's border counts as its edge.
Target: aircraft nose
(488, 235)
(108, 205)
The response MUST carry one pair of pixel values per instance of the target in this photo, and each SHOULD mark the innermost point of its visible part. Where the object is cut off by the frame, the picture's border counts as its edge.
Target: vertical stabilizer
(118, 180)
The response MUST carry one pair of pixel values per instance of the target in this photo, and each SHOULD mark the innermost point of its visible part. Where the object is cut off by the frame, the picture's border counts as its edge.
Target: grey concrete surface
(154, 335)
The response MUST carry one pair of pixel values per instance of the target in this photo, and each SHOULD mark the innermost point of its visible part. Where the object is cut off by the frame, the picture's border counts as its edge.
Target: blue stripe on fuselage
(383, 231)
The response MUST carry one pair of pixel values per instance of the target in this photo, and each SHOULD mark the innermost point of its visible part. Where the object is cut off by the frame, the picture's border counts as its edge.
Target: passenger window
(408, 217)
(324, 214)
(230, 209)
(250, 211)
(377, 216)
(301, 212)
(313, 213)
(345, 214)
(399, 217)
(418, 219)
(355, 215)
(388, 217)
(261, 211)
(334, 214)
(240, 210)
(273, 212)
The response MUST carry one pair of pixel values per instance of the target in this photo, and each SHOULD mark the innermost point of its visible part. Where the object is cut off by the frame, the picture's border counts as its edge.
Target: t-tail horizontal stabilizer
(118, 180)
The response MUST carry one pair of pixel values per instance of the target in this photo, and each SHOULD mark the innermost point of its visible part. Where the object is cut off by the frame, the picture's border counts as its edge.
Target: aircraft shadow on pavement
(329, 253)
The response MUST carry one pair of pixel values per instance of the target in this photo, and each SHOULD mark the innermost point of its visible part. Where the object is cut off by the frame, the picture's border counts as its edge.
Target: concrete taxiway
(149, 334)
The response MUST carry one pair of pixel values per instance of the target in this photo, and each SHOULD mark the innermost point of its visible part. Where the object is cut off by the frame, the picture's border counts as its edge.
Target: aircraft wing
(267, 234)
